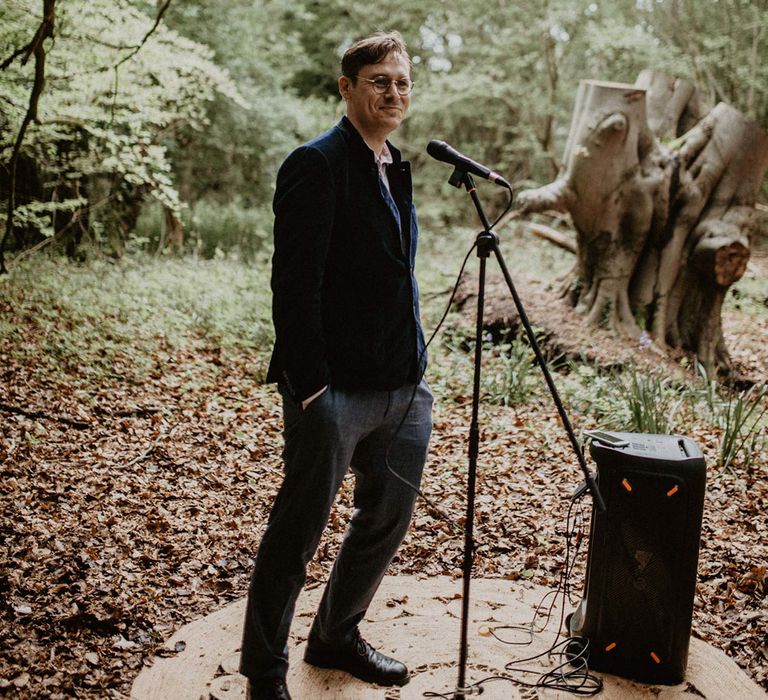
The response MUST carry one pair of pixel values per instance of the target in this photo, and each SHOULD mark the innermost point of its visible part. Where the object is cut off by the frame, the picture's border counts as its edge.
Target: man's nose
(392, 89)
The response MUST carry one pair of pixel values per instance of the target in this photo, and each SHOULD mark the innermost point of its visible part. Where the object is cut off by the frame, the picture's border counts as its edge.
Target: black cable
(437, 512)
(571, 672)
(399, 477)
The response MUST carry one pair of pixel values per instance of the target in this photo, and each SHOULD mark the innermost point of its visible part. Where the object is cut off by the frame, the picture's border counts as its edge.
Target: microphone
(440, 150)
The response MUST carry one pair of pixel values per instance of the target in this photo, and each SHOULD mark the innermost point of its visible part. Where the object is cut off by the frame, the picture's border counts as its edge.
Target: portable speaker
(643, 554)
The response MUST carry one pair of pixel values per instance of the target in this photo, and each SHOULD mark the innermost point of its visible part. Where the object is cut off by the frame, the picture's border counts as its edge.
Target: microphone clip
(459, 177)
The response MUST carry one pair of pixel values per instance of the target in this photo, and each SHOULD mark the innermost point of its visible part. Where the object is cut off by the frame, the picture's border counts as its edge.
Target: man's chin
(392, 119)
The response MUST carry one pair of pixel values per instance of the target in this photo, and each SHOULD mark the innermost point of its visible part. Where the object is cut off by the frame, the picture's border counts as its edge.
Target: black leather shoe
(267, 689)
(361, 660)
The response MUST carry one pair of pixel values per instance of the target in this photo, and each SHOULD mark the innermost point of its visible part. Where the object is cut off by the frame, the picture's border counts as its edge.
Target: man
(349, 360)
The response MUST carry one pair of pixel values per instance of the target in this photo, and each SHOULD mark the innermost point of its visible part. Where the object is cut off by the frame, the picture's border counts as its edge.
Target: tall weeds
(744, 433)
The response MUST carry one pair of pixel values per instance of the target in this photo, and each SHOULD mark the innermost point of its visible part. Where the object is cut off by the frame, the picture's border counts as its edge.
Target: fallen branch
(141, 457)
(509, 216)
(137, 412)
(553, 236)
(38, 415)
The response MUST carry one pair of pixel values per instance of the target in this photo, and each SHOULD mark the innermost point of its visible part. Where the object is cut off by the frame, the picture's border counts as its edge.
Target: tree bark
(35, 47)
(663, 203)
(174, 231)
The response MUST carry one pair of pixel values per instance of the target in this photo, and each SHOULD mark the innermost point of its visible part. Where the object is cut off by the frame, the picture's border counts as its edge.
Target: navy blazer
(345, 301)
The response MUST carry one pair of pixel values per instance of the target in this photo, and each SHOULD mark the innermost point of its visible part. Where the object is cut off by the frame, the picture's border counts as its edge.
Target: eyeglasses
(381, 84)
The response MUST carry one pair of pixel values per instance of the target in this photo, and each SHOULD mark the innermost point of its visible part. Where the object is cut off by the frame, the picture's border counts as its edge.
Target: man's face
(374, 114)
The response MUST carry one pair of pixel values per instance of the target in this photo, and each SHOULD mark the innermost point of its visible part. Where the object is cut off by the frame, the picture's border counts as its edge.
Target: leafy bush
(101, 115)
(213, 230)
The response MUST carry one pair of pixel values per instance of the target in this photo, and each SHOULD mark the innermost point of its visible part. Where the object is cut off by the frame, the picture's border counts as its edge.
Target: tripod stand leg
(473, 451)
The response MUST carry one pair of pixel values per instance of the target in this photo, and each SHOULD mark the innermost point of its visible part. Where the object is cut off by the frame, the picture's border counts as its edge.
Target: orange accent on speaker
(626, 485)
(673, 491)
(611, 646)
(655, 658)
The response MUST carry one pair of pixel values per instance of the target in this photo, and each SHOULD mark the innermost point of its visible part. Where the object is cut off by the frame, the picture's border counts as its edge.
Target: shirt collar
(382, 161)
(349, 128)
(385, 157)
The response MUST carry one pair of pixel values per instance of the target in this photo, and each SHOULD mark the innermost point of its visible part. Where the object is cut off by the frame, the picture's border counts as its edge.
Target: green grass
(107, 319)
(511, 376)
(212, 230)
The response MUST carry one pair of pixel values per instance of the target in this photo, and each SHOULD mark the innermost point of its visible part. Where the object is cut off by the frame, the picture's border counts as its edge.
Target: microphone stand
(487, 242)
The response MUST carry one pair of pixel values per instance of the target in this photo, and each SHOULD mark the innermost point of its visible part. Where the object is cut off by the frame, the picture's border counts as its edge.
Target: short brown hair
(371, 50)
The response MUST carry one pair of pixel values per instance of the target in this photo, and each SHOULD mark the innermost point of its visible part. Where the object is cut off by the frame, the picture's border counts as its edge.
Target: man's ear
(345, 84)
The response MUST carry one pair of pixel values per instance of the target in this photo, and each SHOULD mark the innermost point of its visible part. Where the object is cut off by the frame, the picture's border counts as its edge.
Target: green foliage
(740, 416)
(631, 400)
(503, 94)
(744, 430)
(510, 375)
(99, 117)
(593, 393)
(652, 403)
(721, 45)
(496, 79)
(109, 319)
(237, 155)
(640, 402)
(213, 230)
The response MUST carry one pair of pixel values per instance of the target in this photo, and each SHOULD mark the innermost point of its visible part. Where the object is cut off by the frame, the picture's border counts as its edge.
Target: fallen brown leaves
(142, 511)
(116, 533)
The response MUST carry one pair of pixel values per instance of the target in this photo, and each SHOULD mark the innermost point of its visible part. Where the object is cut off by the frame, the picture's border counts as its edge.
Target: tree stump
(662, 197)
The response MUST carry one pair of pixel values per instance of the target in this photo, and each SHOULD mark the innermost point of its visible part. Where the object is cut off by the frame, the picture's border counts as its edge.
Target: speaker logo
(643, 558)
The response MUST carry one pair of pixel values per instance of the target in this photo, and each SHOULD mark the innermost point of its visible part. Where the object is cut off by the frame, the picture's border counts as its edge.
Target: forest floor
(137, 475)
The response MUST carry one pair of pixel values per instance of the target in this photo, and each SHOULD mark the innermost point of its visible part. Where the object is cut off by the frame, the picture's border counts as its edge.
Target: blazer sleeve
(304, 207)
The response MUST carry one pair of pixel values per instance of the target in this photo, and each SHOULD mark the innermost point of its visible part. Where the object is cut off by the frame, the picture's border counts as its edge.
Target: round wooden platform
(418, 621)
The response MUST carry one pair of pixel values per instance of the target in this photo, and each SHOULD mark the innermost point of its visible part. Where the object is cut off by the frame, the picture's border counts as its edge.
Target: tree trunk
(174, 231)
(662, 227)
(37, 48)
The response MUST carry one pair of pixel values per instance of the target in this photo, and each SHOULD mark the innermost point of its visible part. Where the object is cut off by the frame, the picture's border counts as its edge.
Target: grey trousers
(338, 430)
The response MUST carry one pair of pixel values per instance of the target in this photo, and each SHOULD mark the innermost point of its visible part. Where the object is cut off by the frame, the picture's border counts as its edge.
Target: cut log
(609, 186)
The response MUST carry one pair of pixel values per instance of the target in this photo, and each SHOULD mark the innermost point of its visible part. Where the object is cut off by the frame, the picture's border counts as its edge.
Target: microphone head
(438, 149)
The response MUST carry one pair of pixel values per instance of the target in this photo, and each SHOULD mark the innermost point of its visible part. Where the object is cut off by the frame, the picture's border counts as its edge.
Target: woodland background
(139, 446)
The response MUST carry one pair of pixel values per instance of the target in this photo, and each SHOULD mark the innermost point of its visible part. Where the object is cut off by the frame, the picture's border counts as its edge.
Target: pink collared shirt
(382, 161)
